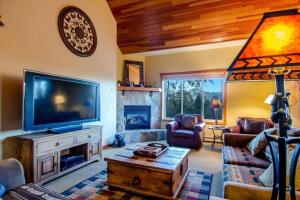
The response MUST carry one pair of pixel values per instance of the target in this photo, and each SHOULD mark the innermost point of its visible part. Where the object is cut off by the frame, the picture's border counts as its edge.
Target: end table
(214, 129)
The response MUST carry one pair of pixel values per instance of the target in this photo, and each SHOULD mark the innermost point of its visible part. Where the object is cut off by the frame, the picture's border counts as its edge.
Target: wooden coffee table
(162, 177)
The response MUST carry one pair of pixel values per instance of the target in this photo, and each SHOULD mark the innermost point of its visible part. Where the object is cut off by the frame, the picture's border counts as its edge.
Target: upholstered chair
(11, 173)
(187, 130)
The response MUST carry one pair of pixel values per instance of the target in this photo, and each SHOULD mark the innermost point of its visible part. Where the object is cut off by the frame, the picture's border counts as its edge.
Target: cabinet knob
(90, 136)
(57, 144)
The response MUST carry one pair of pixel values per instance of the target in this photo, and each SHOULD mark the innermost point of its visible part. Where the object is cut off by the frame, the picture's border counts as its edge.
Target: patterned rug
(197, 187)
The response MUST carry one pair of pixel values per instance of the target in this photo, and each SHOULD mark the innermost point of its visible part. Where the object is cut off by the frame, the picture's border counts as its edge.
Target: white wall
(30, 39)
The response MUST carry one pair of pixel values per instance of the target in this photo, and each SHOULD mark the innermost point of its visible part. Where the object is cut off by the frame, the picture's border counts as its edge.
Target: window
(192, 94)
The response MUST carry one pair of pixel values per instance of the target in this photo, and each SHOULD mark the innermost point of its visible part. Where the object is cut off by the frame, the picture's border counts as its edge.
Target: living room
(185, 56)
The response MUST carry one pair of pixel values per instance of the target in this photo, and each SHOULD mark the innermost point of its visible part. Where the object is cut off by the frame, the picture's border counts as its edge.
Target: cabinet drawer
(55, 144)
(87, 137)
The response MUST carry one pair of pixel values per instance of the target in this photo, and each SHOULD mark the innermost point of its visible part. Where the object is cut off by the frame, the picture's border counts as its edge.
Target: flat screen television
(56, 103)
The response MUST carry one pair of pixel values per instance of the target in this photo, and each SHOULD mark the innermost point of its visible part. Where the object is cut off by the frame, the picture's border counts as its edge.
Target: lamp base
(216, 112)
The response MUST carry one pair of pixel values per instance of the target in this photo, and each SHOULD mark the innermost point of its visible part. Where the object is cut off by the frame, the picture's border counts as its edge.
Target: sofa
(13, 181)
(241, 170)
(187, 130)
(250, 125)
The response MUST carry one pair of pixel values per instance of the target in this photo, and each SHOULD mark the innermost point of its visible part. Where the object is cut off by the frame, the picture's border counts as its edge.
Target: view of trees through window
(192, 96)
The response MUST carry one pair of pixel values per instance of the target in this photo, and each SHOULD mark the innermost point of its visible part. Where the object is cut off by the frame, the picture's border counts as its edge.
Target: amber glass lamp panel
(276, 36)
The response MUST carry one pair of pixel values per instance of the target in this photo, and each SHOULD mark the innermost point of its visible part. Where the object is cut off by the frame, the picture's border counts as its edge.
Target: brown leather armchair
(186, 131)
(249, 125)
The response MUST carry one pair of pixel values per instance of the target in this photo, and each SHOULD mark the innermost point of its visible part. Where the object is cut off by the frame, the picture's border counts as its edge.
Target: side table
(214, 129)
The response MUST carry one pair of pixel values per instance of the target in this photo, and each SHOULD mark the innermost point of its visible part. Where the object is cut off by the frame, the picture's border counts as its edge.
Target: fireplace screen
(137, 117)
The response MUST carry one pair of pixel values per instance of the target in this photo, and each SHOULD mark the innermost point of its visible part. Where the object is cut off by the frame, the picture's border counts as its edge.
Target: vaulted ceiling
(147, 25)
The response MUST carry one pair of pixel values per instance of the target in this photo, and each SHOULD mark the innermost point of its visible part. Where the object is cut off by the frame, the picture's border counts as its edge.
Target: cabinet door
(47, 166)
(94, 150)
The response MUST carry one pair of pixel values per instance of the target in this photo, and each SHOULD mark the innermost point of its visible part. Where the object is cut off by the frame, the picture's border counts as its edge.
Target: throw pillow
(253, 126)
(259, 143)
(189, 122)
(267, 153)
(266, 178)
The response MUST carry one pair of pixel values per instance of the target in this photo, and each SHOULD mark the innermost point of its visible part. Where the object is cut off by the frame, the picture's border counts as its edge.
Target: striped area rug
(197, 187)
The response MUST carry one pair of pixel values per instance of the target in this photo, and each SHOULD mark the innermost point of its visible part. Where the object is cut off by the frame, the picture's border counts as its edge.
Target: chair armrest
(12, 173)
(232, 129)
(232, 191)
(172, 126)
(199, 127)
(237, 140)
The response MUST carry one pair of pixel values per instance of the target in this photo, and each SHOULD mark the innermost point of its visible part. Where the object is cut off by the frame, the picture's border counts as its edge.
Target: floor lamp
(273, 52)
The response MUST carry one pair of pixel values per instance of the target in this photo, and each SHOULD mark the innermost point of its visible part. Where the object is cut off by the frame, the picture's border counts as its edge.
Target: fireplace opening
(137, 117)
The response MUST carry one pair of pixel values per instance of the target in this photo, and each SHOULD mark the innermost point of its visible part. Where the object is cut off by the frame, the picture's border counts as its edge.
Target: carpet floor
(206, 160)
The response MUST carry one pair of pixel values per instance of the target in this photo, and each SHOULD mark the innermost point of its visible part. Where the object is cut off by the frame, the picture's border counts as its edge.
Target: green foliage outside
(192, 96)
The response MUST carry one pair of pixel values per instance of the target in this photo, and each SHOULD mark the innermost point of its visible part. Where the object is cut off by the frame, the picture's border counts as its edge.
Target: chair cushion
(242, 156)
(242, 174)
(189, 122)
(183, 133)
(259, 143)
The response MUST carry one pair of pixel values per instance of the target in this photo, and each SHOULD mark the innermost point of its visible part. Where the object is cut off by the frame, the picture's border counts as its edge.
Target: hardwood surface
(146, 25)
(40, 153)
(160, 177)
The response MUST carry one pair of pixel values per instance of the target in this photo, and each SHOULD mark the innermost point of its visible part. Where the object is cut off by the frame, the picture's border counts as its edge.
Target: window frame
(203, 74)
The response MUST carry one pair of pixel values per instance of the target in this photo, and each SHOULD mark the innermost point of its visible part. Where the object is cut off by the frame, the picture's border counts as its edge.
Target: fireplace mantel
(138, 89)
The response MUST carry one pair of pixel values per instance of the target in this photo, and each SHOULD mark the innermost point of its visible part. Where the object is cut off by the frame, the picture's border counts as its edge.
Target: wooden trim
(225, 102)
(205, 72)
(141, 89)
(202, 73)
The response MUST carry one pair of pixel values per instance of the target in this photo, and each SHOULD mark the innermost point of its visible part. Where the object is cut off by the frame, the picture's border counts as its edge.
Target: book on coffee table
(152, 150)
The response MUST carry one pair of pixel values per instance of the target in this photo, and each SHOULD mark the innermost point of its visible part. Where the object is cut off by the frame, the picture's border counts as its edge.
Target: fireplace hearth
(137, 117)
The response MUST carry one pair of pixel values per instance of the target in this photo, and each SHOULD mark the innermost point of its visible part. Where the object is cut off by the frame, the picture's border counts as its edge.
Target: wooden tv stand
(40, 153)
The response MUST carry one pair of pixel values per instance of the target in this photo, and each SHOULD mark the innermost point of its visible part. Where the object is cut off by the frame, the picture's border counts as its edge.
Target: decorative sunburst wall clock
(77, 31)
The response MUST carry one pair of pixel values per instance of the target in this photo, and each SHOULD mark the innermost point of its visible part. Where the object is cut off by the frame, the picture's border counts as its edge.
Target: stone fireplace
(132, 98)
(137, 117)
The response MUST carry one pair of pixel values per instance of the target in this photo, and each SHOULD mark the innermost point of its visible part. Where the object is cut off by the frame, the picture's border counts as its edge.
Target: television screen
(53, 101)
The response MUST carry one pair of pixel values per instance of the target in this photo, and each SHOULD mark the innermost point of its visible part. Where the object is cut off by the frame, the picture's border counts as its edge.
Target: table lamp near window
(216, 106)
(273, 52)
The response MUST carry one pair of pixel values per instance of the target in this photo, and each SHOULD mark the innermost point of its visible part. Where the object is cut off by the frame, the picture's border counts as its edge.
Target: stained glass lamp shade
(273, 46)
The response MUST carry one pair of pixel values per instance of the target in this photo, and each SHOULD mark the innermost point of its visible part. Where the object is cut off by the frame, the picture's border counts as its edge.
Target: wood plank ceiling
(146, 25)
